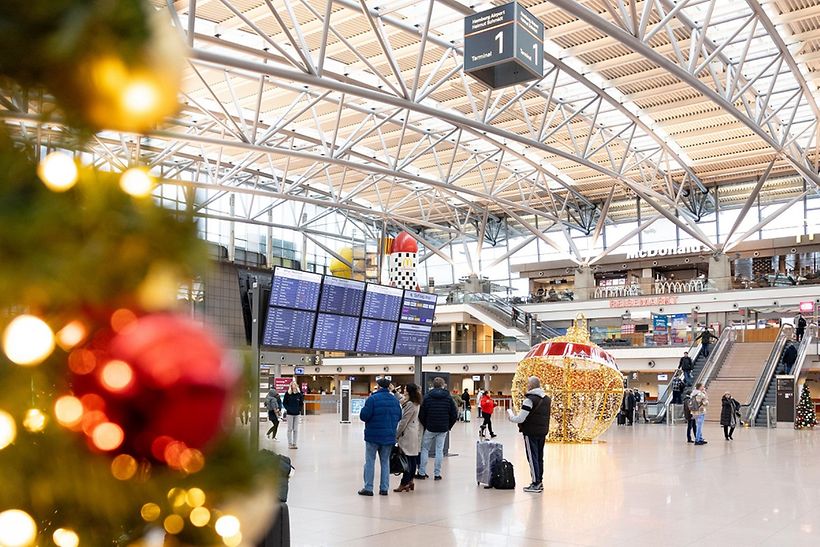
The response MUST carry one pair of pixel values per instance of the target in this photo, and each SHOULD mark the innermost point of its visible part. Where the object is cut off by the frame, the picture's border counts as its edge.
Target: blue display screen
(418, 307)
(342, 296)
(376, 336)
(412, 339)
(295, 289)
(335, 332)
(288, 328)
(382, 302)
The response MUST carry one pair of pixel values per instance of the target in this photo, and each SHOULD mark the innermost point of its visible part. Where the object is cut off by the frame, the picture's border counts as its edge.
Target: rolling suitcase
(466, 415)
(621, 418)
(487, 455)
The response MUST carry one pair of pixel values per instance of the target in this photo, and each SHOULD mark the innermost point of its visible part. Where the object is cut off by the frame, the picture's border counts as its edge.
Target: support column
(232, 229)
(269, 242)
(453, 334)
(584, 283)
(720, 272)
(646, 282)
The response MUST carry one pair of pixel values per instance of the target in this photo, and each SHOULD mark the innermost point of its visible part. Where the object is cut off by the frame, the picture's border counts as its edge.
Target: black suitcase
(621, 418)
(279, 533)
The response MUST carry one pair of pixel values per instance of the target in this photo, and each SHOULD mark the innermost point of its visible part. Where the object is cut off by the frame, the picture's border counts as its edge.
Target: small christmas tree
(805, 410)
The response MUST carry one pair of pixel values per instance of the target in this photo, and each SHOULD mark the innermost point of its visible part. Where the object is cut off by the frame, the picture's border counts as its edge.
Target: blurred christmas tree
(111, 411)
(806, 416)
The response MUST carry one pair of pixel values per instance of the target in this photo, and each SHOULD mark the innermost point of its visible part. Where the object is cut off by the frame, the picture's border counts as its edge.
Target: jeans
(687, 377)
(690, 429)
(411, 471)
(274, 423)
(535, 456)
(293, 429)
(699, 419)
(384, 451)
(426, 440)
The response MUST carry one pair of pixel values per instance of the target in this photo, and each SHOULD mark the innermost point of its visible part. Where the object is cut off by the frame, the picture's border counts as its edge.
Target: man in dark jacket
(678, 385)
(800, 325)
(381, 414)
(534, 423)
(437, 415)
(789, 357)
(687, 366)
(628, 406)
(706, 338)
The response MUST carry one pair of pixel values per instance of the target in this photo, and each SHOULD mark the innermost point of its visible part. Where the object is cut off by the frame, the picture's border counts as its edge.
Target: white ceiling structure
(362, 108)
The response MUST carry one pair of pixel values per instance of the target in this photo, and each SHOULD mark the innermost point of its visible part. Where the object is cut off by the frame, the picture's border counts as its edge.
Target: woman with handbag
(408, 435)
(729, 414)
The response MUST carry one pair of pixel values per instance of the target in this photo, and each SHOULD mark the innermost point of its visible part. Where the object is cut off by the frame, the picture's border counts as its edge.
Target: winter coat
(408, 432)
(534, 418)
(294, 403)
(487, 404)
(628, 404)
(466, 398)
(729, 410)
(702, 399)
(686, 363)
(273, 402)
(687, 412)
(438, 412)
(381, 414)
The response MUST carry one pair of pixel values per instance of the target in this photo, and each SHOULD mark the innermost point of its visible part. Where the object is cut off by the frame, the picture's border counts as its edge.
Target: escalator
(508, 319)
(765, 385)
(663, 402)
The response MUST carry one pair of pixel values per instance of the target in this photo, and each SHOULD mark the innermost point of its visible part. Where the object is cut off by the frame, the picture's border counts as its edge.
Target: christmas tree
(805, 410)
(111, 412)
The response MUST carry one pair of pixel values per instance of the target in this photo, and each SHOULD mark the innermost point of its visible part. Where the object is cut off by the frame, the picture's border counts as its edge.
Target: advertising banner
(660, 329)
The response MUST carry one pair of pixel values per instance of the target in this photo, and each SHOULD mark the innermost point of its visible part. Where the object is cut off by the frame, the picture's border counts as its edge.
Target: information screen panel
(418, 307)
(295, 289)
(288, 328)
(381, 302)
(343, 296)
(335, 332)
(412, 339)
(376, 336)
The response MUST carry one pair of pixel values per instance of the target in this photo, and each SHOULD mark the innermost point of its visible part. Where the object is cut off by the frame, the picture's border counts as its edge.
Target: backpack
(503, 476)
(695, 404)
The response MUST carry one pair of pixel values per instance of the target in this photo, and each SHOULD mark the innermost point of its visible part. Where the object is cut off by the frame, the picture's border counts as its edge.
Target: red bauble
(180, 384)
(404, 243)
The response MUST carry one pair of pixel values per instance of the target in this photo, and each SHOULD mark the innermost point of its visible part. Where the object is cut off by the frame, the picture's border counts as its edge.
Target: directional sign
(504, 46)
(299, 370)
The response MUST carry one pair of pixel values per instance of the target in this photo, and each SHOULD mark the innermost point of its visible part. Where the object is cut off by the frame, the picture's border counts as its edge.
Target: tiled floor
(640, 485)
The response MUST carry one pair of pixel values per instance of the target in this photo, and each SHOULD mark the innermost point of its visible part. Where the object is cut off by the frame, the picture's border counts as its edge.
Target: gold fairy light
(583, 382)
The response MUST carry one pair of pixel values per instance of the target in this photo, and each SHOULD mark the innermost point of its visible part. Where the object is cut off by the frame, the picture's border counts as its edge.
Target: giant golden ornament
(582, 380)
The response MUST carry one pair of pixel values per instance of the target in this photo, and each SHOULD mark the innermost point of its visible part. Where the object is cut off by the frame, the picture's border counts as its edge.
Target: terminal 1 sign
(504, 46)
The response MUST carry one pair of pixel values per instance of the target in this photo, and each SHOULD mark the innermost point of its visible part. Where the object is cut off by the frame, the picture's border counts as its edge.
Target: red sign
(643, 301)
(281, 385)
(806, 307)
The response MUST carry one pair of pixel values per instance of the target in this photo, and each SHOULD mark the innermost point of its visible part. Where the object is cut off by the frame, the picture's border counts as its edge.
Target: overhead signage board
(807, 307)
(299, 370)
(504, 46)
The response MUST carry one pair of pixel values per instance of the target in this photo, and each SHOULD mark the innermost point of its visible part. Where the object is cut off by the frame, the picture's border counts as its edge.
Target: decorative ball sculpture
(582, 380)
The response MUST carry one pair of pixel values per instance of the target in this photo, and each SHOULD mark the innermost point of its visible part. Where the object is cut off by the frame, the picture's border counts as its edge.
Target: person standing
(465, 397)
(437, 416)
(800, 324)
(486, 406)
(534, 423)
(687, 366)
(697, 405)
(628, 406)
(678, 385)
(381, 414)
(789, 357)
(274, 405)
(690, 420)
(706, 338)
(729, 413)
(294, 403)
(408, 434)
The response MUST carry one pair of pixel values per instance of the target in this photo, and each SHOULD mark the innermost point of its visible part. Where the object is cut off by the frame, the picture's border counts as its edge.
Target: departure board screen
(342, 296)
(418, 307)
(376, 336)
(288, 328)
(381, 302)
(295, 289)
(335, 332)
(412, 339)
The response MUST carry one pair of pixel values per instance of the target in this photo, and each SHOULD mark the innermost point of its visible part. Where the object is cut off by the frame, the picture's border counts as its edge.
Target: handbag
(398, 461)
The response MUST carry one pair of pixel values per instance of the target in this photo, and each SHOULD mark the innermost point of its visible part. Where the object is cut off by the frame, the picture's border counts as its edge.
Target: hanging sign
(504, 46)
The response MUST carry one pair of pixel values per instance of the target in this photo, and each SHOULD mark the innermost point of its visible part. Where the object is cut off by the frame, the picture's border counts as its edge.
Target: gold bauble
(339, 268)
(582, 380)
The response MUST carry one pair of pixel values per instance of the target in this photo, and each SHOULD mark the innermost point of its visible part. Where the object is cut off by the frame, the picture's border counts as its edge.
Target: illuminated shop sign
(643, 302)
(665, 251)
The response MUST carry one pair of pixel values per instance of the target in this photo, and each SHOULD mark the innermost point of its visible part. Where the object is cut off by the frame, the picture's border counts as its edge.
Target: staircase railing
(762, 385)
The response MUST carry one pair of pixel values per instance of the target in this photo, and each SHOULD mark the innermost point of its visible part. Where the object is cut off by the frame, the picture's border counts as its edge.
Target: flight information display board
(381, 302)
(335, 332)
(412, 339)
(295, 289)
(343, 296)
(288, 328)
(376, 336)
(418, 307)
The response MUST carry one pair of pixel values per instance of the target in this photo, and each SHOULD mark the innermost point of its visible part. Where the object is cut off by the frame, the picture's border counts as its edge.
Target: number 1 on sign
(535, 53)
(500, 38)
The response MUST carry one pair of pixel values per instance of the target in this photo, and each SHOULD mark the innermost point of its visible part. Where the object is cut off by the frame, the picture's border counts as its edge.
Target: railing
(765, 378)
(661, 406)
(724, 344)
(616, 291)
(802, 352)
(669, 287)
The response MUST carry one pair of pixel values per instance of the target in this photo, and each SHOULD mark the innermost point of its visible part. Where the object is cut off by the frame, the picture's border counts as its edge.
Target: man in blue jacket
(381, 414)
(437, 415)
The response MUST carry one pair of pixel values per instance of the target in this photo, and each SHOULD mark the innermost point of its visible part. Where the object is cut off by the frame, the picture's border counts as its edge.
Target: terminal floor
(642, 485)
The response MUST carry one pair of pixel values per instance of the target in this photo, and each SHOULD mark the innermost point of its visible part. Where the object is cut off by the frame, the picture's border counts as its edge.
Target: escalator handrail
(762, 385)
(727, 337)
(667, 397)
(811, 332)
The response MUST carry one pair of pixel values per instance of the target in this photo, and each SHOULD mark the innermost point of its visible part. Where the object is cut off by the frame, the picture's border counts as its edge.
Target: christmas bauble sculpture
(582, 380)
